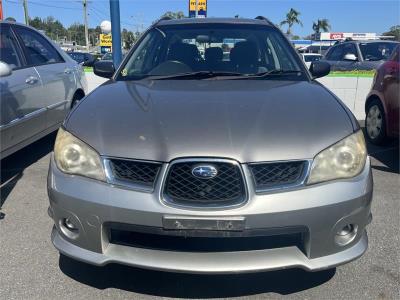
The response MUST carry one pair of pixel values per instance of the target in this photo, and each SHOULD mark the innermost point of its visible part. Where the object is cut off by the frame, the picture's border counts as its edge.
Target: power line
(52, 6)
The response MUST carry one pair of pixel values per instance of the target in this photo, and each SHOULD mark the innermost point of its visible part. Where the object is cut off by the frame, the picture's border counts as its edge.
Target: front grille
(270, 175)
(227, 187)
(135, 172)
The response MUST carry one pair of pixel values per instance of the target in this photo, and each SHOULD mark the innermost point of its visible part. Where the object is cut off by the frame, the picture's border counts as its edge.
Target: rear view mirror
(350, 57)
(104, 68)
(202, 39)
(5, 69)
(320, 69)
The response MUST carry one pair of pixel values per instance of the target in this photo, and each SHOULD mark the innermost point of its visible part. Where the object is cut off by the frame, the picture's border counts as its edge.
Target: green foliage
(128, 38)
(321, 24)
(76, 32)
(292, 18)
(174, 15)
(393, 31)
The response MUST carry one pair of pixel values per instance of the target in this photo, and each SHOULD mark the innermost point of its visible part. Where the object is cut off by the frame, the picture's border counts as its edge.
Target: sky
(344, 16)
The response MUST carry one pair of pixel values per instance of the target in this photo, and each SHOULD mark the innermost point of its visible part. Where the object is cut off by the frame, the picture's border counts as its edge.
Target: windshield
(377, 50)
(309, 58)
(107, 56)
(223, 49)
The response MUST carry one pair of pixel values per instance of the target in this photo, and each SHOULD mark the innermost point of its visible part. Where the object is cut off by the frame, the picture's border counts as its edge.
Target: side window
(349, 49)
(336, 53)
(8, 48)
(38, 50)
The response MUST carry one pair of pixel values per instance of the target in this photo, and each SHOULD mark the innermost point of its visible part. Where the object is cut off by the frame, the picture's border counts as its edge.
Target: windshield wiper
(195, 75)
(276, 72)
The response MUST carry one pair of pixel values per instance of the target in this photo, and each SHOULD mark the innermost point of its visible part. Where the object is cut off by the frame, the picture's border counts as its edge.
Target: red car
(382, 105)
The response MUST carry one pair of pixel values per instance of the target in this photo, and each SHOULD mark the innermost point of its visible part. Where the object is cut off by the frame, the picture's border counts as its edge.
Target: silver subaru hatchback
(189, 160)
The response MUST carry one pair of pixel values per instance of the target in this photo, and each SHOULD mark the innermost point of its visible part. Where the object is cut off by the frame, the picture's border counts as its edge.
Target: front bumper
(322, 209)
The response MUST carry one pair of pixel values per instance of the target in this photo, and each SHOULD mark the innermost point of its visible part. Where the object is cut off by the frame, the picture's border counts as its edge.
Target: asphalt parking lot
(30, 267)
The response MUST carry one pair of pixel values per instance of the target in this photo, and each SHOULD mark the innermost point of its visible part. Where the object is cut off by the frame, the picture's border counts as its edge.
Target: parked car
(39, 84)
(382, 104)
(359, 55)
(86, 59)
(308, 58)
(204, 165)
(107, 56)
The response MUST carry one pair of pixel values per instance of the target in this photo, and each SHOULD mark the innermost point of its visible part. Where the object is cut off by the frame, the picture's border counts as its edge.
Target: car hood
(246, 120)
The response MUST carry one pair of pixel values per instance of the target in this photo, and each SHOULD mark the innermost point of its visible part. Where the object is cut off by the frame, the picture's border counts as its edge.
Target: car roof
(187, 21)
(367, 42)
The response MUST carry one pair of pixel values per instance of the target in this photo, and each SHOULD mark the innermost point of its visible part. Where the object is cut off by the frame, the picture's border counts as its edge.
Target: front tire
(375, 123)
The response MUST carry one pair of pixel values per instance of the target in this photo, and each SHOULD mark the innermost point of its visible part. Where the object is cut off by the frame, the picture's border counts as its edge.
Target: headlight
(344, 159)
(73, 156)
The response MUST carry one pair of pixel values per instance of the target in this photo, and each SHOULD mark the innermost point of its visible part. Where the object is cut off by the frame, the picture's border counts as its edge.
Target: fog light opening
(69, 225)
(346, 234)
(68, 228)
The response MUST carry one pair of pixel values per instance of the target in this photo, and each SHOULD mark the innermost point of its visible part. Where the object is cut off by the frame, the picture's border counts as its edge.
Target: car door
(56, 75)
(334, 55)
(391, 89)
(345, 64)
(22, 106)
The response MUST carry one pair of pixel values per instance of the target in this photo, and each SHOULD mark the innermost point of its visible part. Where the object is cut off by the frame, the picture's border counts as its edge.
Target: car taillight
(391, 67)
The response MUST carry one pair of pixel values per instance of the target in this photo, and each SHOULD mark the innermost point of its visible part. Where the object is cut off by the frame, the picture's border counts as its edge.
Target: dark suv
(359, 55)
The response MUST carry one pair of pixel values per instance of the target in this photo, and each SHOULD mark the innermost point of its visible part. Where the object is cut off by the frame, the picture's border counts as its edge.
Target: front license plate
(190, 223)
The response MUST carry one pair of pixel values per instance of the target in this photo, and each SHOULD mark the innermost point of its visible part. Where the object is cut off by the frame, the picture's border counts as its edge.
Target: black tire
(375, 123)
(77, 97)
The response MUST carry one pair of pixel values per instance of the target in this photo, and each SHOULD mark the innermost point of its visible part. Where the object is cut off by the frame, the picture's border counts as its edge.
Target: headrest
(244, 53)
(213, 54)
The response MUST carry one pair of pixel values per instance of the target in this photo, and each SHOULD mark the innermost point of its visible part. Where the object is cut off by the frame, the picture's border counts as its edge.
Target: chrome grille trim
(278, 187)
(142, 187)
(171, 202)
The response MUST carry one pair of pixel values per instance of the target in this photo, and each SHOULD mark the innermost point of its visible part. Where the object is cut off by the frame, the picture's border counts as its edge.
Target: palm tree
(292, 17)
(321, 24)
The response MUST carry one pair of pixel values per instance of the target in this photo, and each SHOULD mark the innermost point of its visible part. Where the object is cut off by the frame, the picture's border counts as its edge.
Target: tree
(321, 24)
(50, 26)
(393, 31)
(128, 39)
(174, 15)
(292, 18)
(76, 33)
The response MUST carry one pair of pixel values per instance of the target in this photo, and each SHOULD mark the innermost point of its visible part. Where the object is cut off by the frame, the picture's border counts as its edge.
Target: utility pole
(115, 32)
(25, 4)
(86, 24)
(197, 9)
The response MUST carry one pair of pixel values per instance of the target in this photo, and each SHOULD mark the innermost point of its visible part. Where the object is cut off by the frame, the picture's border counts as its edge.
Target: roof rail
(262, 18)
(165, 18)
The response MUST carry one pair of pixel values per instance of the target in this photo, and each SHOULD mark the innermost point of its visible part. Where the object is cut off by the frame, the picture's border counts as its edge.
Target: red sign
(1, 10)
(336, 35)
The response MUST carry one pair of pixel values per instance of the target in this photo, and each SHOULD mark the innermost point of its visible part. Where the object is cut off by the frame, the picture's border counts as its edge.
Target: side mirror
(350, 57)
(5, 69)
(320, 69)
(104, 68)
